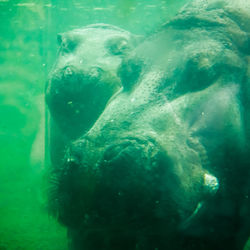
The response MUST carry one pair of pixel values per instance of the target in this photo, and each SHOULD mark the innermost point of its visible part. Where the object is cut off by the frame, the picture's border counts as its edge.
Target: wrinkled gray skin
(166, 164)
(83, 79)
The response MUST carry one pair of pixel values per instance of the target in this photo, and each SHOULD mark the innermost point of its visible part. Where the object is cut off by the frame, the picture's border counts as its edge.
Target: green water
(27, 52)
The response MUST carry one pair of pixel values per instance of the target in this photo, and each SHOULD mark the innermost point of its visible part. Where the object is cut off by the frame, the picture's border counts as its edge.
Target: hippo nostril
(72, 161)
(68, 71)
(95, 73)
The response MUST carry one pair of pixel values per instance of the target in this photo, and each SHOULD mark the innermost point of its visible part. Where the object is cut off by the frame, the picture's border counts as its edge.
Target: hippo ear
(242, 18)
(121, 45)
(67, 42)
(59, 38)
(118, 46)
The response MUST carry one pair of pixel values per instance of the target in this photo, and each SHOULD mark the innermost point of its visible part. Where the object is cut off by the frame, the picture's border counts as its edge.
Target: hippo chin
(165, 164)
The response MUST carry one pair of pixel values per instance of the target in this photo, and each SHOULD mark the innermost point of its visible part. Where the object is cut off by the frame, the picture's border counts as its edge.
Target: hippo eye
(117, 46)
(129, 72)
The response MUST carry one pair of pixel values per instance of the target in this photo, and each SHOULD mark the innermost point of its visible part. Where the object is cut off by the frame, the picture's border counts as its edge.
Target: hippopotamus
(166, 163)
(83, 79)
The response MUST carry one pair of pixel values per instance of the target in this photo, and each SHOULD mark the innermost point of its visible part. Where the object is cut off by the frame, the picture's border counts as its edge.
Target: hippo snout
(71, 79)
(131, 181)
(68, 94)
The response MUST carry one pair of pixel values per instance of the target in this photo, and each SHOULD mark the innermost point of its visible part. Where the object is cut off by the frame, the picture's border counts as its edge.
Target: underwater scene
(125, 125)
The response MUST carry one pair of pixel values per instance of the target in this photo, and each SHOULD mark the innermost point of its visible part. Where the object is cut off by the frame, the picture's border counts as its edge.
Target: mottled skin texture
(166, 165)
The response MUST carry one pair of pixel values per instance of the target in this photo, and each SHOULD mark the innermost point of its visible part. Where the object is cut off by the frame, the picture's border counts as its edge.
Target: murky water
(28, 50)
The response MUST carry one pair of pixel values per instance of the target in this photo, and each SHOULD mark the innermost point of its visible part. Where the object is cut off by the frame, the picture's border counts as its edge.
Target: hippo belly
(165, 163)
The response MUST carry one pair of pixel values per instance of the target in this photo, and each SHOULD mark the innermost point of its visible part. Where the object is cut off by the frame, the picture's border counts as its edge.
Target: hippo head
(85, 75)
(168, 142)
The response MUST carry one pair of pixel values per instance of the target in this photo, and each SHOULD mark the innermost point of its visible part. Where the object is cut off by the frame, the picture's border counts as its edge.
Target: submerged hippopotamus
(83, 79)
(166, 164)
